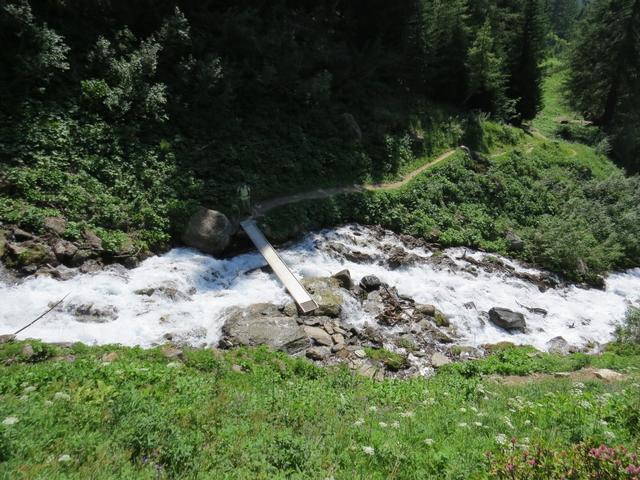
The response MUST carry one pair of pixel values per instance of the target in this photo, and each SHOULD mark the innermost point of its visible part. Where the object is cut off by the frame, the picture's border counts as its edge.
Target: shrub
(580, 461)
(629, 331)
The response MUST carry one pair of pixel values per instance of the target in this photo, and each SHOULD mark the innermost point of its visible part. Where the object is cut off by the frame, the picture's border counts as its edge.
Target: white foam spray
(212, 286)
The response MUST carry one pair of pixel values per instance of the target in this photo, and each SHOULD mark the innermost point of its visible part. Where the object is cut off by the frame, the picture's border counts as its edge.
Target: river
(193, 291)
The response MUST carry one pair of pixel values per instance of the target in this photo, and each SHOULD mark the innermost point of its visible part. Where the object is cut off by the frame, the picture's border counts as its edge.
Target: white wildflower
(383, 424)
(610, 435)
(604, 423)
(30, 389)
(395, 424)
(585, 404)
(527, 422)
(579, 386)
(24, 398)
(359, 422)
(407, 414)
(48, 402)
(477, 424)
(64, 458)
(463, 425)
(501, 439)
(369, 450)
(62, 396)
(463, 410)
(429, 441)
(473, 409)
(373, 408)
(10, 421)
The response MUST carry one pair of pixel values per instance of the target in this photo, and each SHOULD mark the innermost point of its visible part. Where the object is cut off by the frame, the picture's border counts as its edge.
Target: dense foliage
(141, 415)
(573, 217)
(604, 72)
(120, 115)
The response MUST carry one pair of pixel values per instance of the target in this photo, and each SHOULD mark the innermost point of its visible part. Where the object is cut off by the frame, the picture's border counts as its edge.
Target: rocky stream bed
(389, 305)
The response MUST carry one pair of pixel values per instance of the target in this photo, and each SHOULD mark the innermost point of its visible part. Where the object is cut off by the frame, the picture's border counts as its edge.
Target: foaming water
(196, 290)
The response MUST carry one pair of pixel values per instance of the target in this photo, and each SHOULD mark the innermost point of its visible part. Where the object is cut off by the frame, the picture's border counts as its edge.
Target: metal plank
(288, 279)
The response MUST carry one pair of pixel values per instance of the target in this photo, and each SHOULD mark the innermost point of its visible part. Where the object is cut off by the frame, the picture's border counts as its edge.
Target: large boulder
(54, 225)
(263, 324)
(507, 319)
(327, 293)
(208, 231)
(370, 283)
(559, 346)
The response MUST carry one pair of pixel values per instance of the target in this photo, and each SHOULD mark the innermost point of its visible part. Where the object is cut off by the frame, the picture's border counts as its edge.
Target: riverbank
(115, 412)
(390, 306)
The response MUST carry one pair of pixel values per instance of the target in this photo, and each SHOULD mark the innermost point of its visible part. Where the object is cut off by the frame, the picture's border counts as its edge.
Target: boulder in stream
(507, 319)
(263, 324)
(208, 231)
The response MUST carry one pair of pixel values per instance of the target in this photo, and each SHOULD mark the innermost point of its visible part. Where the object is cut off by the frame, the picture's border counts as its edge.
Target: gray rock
(80, 256)
(208, 231)
(398, 257)
(89, 313)
(22, 236)
(92, 265)
(171, 352)
(608, 375)
(558, 346)
(318, 335)
(514, 242)
(370, 283)
(439, 360)
(434, 332)
(338, 339)
(263, 324)
(327, 293)
(110, 357)
(344, 277)
(64, 250)
(374, 304)
(27, 350)
(55, 225)
(428, 310)
(92, 241)
(318, 353)
(507, 319)
(7, 338)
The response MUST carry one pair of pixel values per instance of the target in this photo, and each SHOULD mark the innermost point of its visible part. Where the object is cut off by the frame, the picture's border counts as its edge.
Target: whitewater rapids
(208, 287)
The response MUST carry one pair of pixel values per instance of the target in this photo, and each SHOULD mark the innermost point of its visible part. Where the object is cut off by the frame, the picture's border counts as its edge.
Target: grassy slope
(145, 416)
(575, 210)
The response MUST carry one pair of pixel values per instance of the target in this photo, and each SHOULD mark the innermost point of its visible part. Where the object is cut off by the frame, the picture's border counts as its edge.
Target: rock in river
(507, 319)
(208, 231)
(263, 324)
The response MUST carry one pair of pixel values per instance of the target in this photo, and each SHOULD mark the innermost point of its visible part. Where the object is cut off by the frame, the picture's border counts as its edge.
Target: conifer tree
(605, 60)
(526, 59)
(486, 74)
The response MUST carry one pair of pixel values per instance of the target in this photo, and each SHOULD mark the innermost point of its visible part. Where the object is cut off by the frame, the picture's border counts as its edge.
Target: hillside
(452, 182)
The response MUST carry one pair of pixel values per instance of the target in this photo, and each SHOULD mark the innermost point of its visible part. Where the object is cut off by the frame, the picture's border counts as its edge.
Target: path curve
(263, 207)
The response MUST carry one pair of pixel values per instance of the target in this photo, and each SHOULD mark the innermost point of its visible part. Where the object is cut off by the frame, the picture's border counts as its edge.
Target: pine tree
(443, 43)
(562, 15)
(605, 60)
(487, 80)
(526, 59)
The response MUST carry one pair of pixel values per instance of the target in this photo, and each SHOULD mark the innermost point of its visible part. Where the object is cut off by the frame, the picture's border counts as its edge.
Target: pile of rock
(51, 254)
(412, 334)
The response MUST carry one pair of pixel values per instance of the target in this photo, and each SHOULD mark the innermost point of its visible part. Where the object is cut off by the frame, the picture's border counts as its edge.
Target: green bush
(629, 331)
